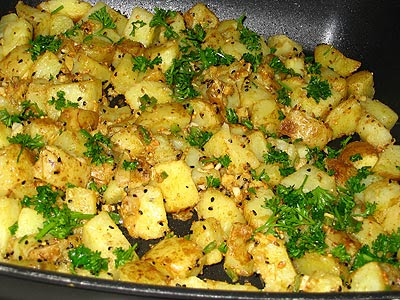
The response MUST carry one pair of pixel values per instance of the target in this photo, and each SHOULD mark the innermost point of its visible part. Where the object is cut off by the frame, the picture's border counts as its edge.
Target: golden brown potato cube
(17, 63)
(4, 133)
(215, 204)
(313, 132)
(237, 258)
(369, 232)
(359, 154)
(284, 46)
(140, 271)
(177, 185)
(46, 66)
(29, 222)
(101, 234)
(76, 119)
(392, 217)
(142, 34)
(84, 64)
(124, 77)
(58, 168)
(167, 116)
(176, 257)
(200, 14)
(9, 212)
(99, 50)
(209, 236)
(343, 119)
(128, 139)
(389, 162)
(383, 113)
(72, 142)
(255, 214)
(74, 9)
(361, 84)
(368, 278)
(143, 213)
(81, 200)
(14, 173)
(15, 33)
(45, 127)
(272, 262)
(373, 132)
(330, 57)
(204, 114)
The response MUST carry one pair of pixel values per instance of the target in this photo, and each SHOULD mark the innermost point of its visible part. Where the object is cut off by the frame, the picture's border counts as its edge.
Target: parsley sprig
(197, 137)
(61, 102)
(124, 256)
(141, 63)
(83, 257)
(43, 43)
(160, 19)
(29, 110)
(136, 25)
(96, 146)
(318, 89)
(248, 37)
(101, 15)
(26, 141)
(275, 155)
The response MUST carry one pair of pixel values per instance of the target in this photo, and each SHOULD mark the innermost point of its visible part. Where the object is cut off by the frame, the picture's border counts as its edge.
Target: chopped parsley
(97, 147)
(136, 25)
(93, 186)
(224, 160)
(283, 96)
(254, 60)
(280, 68)
(341, 253)
(249, 38)
(160, 19)
(43, 43)
(223, 248)
(61, 102)
(260, 177)
(275, 155)
(318, 89)
(13, 228)
(145, 134)
(355, 157)
(26, 141)
(210, 247)
(141, 63)
(147, 102)
(83, 257)
(130, 165)
(106, 21)
(197, 137)
(29, 110)
(72, 31)
(231, 116)
(57, 9)
(124, 256)
(212, 182)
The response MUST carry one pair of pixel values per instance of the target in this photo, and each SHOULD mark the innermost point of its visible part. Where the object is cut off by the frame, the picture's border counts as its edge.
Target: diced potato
(76, 119)
(369, 232)
(392, 217)
(343, 119)
(168, 51)
(361, 84)
(284, 46)
(330, 57)
(237, 258)
(217, 205)
(167, 116)
(29, 222)
(295, 63)
(75, 9)
(45, 127)
(72, 142)
(143, 213)
(40, 20)
(313, 132)
(101, 234)
(200, 14)
(265, 113)
(272, 262)
(373, 132)
(177, 185)
(144, 34)
(315, 178)
(17, 63)
(16, 33)
(124, 77)
(46, 66)
(59, 168)
(155, 89)
(83, 64)
(322, 273)
(206, 233)
(204, 114)
(81, 200)
(164, 151)
(368, 153)
(383, 113)
(255, 214)
(60, 24)
(176, 257)
(140, 272)
(9, 211)
(223, 142)
(14, 173)
(129, 139)
(382, 193)
(369, 277)
(4, 133)
(388, 162)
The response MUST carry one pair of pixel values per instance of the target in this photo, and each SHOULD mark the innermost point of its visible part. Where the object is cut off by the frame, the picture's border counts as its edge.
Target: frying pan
(365, 30)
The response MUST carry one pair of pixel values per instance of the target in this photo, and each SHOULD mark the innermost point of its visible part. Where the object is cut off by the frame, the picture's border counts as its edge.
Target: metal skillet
(365, 30)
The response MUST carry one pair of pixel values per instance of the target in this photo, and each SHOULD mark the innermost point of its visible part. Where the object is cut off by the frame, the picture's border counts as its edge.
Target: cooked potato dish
(115, 130)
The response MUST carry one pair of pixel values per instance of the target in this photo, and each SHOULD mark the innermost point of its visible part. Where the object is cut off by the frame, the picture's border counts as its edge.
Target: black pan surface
(365, 30)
